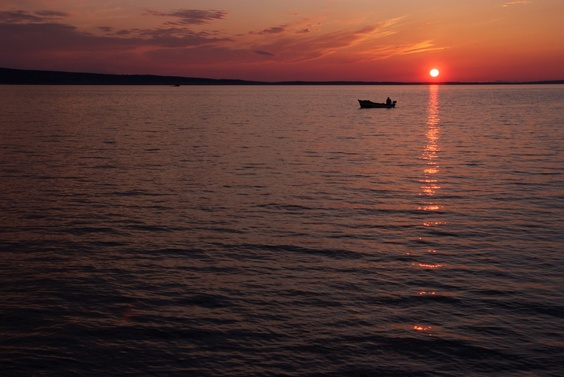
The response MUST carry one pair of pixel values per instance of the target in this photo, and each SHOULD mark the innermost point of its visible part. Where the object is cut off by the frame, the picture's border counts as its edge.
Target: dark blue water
(262, 231)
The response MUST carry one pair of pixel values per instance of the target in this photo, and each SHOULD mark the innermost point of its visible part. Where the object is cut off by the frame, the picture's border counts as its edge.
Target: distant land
(10, 76)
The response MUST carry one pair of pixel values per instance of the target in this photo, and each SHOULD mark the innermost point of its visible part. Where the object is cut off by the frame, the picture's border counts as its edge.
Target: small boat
(367, 104)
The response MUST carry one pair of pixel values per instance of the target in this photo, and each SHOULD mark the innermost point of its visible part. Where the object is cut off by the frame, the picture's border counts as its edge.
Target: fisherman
(388, 101)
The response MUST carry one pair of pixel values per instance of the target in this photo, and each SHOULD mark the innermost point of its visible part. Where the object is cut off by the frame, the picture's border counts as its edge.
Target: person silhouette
(388, 101)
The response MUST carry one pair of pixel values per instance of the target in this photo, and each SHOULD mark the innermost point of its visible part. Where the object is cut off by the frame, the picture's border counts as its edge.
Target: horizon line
(169, 80)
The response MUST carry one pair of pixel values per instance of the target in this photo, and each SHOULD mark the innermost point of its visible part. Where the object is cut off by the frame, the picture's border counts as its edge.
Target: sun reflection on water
(429, 189)
(430, 185)
(430, 182)
(423, 329)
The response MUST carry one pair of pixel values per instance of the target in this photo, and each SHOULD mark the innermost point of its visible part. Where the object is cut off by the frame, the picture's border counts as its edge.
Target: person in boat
(388, 101)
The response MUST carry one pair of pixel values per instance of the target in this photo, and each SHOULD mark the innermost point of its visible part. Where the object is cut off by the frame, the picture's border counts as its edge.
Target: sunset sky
(366, 40)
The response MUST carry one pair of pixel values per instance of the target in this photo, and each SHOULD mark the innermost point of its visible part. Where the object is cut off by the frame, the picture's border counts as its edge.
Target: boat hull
(367, 104)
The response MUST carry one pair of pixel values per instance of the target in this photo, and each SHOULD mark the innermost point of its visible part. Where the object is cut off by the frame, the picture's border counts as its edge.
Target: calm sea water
(245, 231)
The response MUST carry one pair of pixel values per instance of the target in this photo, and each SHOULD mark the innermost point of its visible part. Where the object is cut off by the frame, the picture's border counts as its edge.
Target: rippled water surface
(281, 230)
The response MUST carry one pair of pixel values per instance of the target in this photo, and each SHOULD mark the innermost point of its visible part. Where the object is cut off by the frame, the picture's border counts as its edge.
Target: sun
(434, 72)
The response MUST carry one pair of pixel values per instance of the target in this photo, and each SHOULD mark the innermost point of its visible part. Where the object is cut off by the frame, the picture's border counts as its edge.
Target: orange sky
(365, 40)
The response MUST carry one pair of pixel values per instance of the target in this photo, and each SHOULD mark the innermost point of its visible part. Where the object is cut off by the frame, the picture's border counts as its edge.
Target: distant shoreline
(11, 76)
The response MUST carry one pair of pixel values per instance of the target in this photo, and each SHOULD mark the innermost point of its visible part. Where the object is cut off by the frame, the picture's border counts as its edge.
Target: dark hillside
(30, 77)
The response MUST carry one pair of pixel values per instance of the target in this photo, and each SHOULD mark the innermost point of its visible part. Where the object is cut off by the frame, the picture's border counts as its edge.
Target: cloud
(190, 16)
(65, 47)
(271, 30)
(177, 37)
(265, 53)
(515, 2)
(107, 29)
(388, 51)
(52, 13)
(21, 16)
(46, 36)
(53, 37)
(305, 46)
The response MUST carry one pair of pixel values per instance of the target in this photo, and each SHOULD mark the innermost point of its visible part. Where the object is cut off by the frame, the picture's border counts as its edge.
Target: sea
(282, 231)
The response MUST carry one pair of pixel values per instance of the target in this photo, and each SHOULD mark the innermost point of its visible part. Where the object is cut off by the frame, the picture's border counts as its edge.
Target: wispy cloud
(21, 16)
(271, 30)
(178, 37)
(189, 16)
(515, 2)
(52, 13)
(302, 45)
(265, 53)
(389, 51)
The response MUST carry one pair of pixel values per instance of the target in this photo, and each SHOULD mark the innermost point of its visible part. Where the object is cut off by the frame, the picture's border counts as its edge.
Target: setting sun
(434, 72)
